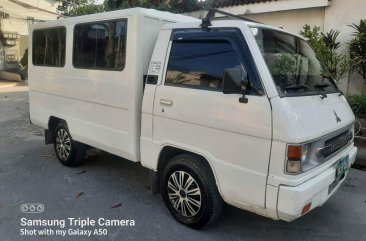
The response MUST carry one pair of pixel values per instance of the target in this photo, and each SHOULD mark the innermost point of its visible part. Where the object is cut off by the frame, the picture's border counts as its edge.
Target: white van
(225, 111)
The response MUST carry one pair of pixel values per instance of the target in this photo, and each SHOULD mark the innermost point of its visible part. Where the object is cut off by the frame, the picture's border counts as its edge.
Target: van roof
(226, 23)
(115, 15)
(177, 20)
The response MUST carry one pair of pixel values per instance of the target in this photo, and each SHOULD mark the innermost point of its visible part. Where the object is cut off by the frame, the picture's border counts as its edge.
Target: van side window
(48, 47)
(100, 45)
(200, 63)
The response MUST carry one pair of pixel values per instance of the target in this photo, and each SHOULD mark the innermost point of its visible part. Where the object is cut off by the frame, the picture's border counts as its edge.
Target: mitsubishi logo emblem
(337, 117)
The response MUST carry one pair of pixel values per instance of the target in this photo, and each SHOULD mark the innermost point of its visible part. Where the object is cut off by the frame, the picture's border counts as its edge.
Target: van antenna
(206, 22)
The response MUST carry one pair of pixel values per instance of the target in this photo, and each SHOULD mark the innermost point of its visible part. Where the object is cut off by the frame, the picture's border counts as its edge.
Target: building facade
(292, 15)
(15, 17)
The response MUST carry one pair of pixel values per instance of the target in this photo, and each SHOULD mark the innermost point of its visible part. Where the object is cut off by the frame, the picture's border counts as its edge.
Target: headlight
(296, 155)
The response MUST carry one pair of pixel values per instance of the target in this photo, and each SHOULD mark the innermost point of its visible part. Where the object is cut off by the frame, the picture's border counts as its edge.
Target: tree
(357, 48)
(184, 5)
(79, 7)
(88, 9)
(115, 4)
(177, 6)
(326, 48)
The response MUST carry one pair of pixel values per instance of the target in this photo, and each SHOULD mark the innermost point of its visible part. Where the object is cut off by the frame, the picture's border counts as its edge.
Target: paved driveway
(113, 188)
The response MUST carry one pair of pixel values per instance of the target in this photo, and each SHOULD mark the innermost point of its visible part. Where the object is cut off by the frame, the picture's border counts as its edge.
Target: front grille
(336, 143)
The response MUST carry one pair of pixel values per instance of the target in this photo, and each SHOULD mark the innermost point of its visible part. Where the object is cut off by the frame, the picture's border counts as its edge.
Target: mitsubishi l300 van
(228, 111)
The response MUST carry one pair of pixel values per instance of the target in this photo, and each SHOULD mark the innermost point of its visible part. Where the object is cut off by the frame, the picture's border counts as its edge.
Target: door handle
(166, 102)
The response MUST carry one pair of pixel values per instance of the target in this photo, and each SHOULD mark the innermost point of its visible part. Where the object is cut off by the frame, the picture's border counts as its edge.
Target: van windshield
(293, 64)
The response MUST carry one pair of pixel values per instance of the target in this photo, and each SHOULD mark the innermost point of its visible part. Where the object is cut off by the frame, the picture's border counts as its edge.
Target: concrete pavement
(110, 187)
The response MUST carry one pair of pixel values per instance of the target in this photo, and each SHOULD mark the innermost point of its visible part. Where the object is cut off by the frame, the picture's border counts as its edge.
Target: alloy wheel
(184, 193)
(63, 144)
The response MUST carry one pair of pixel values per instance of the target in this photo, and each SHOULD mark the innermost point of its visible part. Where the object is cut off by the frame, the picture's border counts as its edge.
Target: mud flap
(154, 182)
(48, 137)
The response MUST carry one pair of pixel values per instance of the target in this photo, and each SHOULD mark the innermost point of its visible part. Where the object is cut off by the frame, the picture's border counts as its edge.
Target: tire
(69, 152)
(196, 201)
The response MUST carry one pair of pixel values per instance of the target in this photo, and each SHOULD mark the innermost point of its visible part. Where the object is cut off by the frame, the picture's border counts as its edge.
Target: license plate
(342, 167)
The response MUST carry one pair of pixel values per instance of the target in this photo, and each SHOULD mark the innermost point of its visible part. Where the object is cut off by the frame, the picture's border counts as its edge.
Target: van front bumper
(317, 190)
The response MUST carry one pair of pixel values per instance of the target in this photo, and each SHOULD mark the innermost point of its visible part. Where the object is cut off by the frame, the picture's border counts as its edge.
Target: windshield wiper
(301, 87)
(296, 87)
(321, 86)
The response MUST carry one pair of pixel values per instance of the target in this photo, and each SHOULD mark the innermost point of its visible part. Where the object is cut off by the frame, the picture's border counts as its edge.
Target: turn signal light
(294, 152)
(306, 209)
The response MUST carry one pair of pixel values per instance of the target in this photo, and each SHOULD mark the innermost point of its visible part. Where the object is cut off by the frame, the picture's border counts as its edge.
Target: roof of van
(167, 16)
(226, 23)
(177, 20)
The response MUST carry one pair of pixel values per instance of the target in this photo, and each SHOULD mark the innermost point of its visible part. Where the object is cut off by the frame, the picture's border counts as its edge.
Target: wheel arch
(168, 152)
(53, 121)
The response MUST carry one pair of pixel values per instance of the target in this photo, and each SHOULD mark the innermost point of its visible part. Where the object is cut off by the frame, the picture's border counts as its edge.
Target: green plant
(326, 48)
(24, 59)
(176, 6)
(358, 105)
(357, 48)
(79, 7)
(87, 9)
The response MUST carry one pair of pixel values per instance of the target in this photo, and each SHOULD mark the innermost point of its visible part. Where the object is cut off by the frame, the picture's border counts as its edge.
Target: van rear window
(48, 47)
(100, 45)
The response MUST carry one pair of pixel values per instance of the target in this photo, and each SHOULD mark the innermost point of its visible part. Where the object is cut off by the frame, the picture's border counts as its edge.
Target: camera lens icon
(32, 208)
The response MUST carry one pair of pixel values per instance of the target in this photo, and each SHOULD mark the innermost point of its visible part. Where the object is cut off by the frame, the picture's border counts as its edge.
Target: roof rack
(206, 22)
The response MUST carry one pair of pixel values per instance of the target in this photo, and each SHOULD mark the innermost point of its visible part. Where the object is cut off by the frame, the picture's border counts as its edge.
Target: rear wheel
(69, 152)
(189, 191)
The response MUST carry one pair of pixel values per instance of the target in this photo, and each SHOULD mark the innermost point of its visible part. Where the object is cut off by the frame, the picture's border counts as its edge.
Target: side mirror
(234, 83)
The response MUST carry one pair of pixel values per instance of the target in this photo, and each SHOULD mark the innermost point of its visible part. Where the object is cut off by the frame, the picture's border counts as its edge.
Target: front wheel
(69, 152)
(189, 191)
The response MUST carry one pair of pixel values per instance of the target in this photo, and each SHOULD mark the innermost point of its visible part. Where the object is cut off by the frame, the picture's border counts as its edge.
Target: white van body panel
(149, 151)
(86, 98)
(234, 138)
(238, 157)
(300, 120)
(292, 199)
(305, 118)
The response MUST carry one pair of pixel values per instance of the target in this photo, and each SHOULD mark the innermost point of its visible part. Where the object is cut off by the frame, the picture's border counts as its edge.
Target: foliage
(326, 48)
(357, 48)
(358, 105)
(24, 59)
(88, 9)
(79, 7)
(82, 7)
(177, 6)
(184, 6)
(282, 66)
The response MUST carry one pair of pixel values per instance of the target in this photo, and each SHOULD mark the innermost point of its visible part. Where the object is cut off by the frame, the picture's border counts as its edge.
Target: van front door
(191, 112)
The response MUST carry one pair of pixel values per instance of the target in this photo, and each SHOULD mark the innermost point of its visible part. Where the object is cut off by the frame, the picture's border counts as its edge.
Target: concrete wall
(292, 20)
(49, 5)
(338, 16)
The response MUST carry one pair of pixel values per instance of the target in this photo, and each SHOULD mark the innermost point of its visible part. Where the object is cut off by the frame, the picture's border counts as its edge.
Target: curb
(7, 86)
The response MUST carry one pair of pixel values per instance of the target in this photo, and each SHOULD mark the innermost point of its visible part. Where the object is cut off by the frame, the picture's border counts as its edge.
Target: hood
(304, 118)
